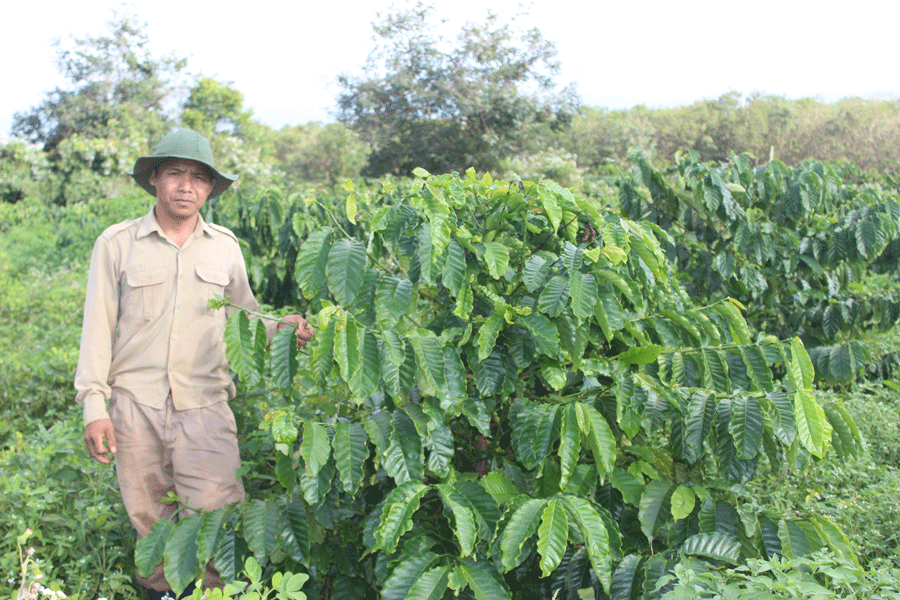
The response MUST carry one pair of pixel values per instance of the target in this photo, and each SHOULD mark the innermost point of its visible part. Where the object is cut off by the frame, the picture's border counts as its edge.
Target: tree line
(857, 130)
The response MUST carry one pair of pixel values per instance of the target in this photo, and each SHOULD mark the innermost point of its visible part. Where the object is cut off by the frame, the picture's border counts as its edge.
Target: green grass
(859, 494)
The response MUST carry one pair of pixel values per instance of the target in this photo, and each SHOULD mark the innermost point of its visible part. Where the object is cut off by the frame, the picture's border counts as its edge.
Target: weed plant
(82, 540)
(38, 342)
(820, 576)
(858, 494)
(44, 254)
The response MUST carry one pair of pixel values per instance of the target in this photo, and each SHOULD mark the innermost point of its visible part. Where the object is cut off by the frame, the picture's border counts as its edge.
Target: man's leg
(193, 453)
(205, 461)
(144, 470)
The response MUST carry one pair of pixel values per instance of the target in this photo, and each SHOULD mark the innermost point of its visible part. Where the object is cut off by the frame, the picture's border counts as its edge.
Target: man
(152, 375)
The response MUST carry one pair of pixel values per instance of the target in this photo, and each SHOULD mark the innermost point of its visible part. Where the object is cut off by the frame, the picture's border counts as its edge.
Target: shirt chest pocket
(144, 293)
(212, 280)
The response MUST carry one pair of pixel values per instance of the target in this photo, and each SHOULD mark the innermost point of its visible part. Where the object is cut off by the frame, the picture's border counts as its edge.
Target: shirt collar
(149, 224)
(203, 226)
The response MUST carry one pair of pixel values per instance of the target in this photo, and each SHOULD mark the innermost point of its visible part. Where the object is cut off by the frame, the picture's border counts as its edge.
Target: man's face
(182, 187)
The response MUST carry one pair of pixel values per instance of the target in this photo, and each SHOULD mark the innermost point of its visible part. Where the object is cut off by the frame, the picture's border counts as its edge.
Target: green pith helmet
(184, 143)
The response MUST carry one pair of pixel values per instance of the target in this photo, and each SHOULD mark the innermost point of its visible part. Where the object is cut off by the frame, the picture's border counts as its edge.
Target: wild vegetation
(562, 352)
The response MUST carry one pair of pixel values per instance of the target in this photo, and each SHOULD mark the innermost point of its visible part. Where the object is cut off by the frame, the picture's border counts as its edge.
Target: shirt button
(175, 337)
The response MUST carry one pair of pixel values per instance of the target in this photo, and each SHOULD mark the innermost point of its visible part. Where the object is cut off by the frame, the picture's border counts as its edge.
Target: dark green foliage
(505, 373)
(795, 246)
(323, 471)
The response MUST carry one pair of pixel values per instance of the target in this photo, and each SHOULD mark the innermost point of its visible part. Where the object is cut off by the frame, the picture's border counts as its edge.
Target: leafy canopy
(115, 90)
(797, 246)
(509, 392)
(213, 107)
(424, 101)
(329, 153)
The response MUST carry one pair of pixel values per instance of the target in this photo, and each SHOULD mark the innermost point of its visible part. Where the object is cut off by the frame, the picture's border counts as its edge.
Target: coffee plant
(509, 392)
(798, 247)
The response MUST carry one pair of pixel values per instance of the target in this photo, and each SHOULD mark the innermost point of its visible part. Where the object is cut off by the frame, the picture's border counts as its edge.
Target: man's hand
(94, 433)
(304, 332)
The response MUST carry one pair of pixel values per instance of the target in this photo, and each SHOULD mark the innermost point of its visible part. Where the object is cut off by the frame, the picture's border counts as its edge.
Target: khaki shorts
(193, 453)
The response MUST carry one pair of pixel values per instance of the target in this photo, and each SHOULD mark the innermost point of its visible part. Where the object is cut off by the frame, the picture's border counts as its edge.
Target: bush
(44, 253)
(554, 164)
(858, 494)
(24, 171)
(882, 434)
(39, 355)
(82, 540)
(820, 576)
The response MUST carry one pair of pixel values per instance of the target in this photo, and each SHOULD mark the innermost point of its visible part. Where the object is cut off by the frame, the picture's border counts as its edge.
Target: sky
(285, 56)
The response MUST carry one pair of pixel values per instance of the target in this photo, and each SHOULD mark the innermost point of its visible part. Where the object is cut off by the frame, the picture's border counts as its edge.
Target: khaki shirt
(148, 328)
